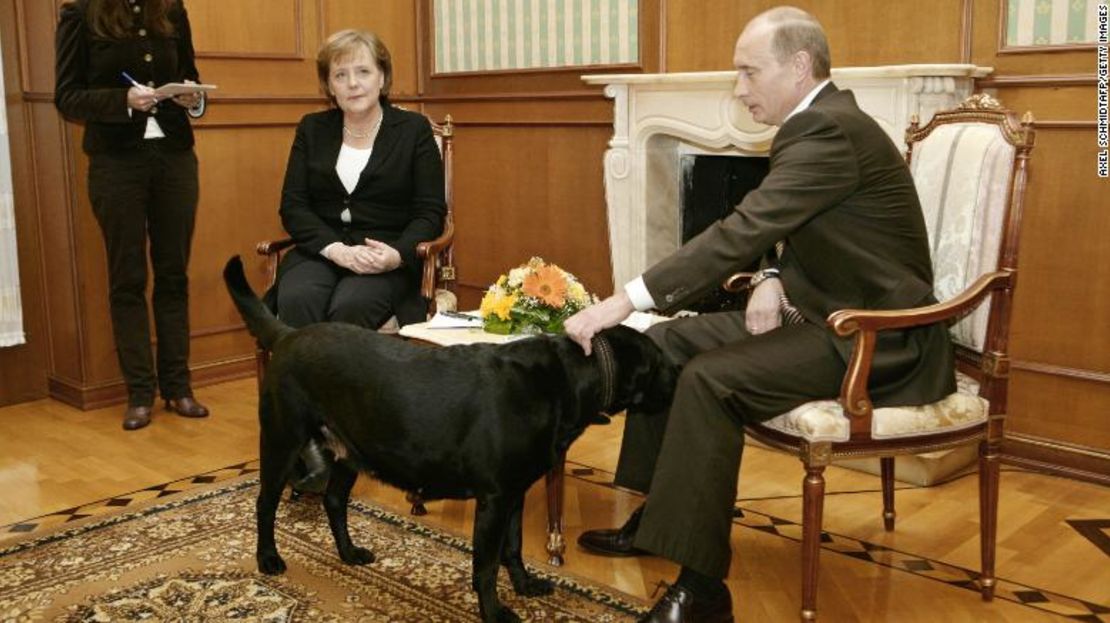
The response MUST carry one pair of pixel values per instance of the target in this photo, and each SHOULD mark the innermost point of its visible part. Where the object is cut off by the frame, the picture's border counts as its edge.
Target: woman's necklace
(356, 134)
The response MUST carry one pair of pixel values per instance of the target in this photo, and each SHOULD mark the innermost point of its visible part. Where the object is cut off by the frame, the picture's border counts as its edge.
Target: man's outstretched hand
(582, 326)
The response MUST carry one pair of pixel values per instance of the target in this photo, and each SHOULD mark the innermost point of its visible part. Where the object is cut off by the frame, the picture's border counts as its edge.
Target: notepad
(177, 88)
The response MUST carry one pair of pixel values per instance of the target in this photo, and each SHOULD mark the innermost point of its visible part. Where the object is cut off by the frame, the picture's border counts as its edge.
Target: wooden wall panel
(533, 190)
(34, 34)
(1050, 102)
(701, 35)
(276, 28)
(1060, 341)
(23, 368)
(1060, 259)
(394, 21)
(1060, 409)
(51, 146)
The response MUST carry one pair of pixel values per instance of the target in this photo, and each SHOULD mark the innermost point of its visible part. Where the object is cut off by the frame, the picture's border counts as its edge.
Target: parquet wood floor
(1050, 563)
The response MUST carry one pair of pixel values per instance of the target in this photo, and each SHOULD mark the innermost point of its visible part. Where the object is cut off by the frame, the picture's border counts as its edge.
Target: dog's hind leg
(491, 522)
(338, 493)
(278, 452)
(524, 583)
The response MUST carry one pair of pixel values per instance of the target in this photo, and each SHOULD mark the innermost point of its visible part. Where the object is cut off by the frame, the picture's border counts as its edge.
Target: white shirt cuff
(638, 293)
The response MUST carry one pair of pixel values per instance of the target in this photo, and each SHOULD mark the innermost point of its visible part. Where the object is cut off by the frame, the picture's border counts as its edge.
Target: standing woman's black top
(89, 86)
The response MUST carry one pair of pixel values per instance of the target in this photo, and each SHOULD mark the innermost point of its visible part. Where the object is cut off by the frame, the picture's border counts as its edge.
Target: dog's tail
(261, 322)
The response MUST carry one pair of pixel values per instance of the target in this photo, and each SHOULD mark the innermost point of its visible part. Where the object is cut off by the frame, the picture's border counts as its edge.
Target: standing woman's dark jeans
(140, 194)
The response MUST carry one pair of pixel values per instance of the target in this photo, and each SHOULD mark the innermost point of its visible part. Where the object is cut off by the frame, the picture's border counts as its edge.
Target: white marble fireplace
(658, 118)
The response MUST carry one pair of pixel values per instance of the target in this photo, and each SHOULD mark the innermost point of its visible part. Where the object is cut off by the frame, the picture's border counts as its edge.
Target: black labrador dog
(482, 421)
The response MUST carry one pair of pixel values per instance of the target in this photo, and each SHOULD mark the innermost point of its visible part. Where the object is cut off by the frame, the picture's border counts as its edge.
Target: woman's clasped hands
(370, 258)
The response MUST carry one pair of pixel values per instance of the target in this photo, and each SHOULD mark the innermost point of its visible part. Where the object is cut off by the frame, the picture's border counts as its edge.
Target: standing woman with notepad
(143, 181)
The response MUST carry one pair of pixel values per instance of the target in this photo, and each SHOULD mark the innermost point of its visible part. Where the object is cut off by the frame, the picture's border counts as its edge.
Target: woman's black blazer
(89, 85)
(399, 198)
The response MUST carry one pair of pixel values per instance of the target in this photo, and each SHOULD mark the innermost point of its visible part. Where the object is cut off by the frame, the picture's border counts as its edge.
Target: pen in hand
(127, 77)
(140, 96)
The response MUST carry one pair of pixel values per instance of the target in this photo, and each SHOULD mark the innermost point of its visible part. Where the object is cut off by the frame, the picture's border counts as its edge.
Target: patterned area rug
(192, 559)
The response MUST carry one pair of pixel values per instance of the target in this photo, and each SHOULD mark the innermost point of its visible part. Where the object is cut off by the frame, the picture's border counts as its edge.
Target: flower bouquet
(533, 298)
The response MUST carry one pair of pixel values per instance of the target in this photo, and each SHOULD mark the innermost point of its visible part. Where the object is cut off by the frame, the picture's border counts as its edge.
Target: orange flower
(548, 285)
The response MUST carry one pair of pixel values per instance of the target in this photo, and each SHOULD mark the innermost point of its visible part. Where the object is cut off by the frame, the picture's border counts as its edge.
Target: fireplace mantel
(659, 117)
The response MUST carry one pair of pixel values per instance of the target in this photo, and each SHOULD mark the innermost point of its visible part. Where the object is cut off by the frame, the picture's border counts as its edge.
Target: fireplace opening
(711, 186)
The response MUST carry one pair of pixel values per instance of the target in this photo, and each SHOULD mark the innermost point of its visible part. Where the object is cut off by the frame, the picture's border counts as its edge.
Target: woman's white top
(349, 166)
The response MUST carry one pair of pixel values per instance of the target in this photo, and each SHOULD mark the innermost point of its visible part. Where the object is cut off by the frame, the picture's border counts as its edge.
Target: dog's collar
(608, 371)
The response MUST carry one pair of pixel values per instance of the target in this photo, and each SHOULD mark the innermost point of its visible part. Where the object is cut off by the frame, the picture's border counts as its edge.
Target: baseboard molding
(88, 397)
(1054, 457)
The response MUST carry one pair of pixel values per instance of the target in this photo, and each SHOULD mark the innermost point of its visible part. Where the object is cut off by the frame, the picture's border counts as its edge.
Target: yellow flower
(504, 305)
(497, 303)
(548, 285)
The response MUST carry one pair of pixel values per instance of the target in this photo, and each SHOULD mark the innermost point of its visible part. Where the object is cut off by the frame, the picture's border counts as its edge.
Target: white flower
(517, 275)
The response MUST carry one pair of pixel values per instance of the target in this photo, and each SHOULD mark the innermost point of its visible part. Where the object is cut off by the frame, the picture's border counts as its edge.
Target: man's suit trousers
(688, 459)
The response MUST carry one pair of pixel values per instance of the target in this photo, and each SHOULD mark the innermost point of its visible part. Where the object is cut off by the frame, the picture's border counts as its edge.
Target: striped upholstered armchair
(969, 166)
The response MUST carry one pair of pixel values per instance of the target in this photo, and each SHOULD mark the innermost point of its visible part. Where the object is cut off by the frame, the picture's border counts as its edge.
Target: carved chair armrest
(273, 250)
(427, 249)
(270, 247)
(865, 324)
(429, 252)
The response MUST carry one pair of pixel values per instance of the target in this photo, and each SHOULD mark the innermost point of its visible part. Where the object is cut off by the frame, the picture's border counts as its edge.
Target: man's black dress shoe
(618, 542)
(679, 605)
(186, 406)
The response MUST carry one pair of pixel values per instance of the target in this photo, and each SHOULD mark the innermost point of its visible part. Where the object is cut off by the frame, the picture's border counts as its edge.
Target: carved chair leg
(813, 503)
(417, 502)
(886, 465)
(554, 481)
(988, 513)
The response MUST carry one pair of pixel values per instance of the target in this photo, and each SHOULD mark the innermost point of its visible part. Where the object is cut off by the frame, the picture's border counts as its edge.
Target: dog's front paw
(357, 556)
(531, 586)
(270, 563)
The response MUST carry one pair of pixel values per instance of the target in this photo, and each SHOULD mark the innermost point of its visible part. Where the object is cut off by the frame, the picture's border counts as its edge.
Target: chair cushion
(824, 420)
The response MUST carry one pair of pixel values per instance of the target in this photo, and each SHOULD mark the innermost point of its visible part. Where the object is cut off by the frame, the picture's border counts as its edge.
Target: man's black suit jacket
(399, 199)
(841, 196)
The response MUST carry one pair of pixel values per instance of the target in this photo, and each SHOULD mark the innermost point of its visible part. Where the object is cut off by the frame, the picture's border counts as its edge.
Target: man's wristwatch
(763, 275)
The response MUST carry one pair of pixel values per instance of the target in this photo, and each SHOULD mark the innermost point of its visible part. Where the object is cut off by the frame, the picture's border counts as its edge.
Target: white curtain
(11, 311)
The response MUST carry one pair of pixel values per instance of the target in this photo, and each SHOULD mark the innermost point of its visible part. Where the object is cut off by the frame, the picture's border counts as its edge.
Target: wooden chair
(969, 166)
(438, 277)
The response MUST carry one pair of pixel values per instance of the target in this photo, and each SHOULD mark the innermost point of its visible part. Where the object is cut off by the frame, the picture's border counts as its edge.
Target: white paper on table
(454, 321)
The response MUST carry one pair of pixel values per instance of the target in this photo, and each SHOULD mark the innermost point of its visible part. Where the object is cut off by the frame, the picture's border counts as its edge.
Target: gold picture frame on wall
(499, 36)
(1037, 26)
